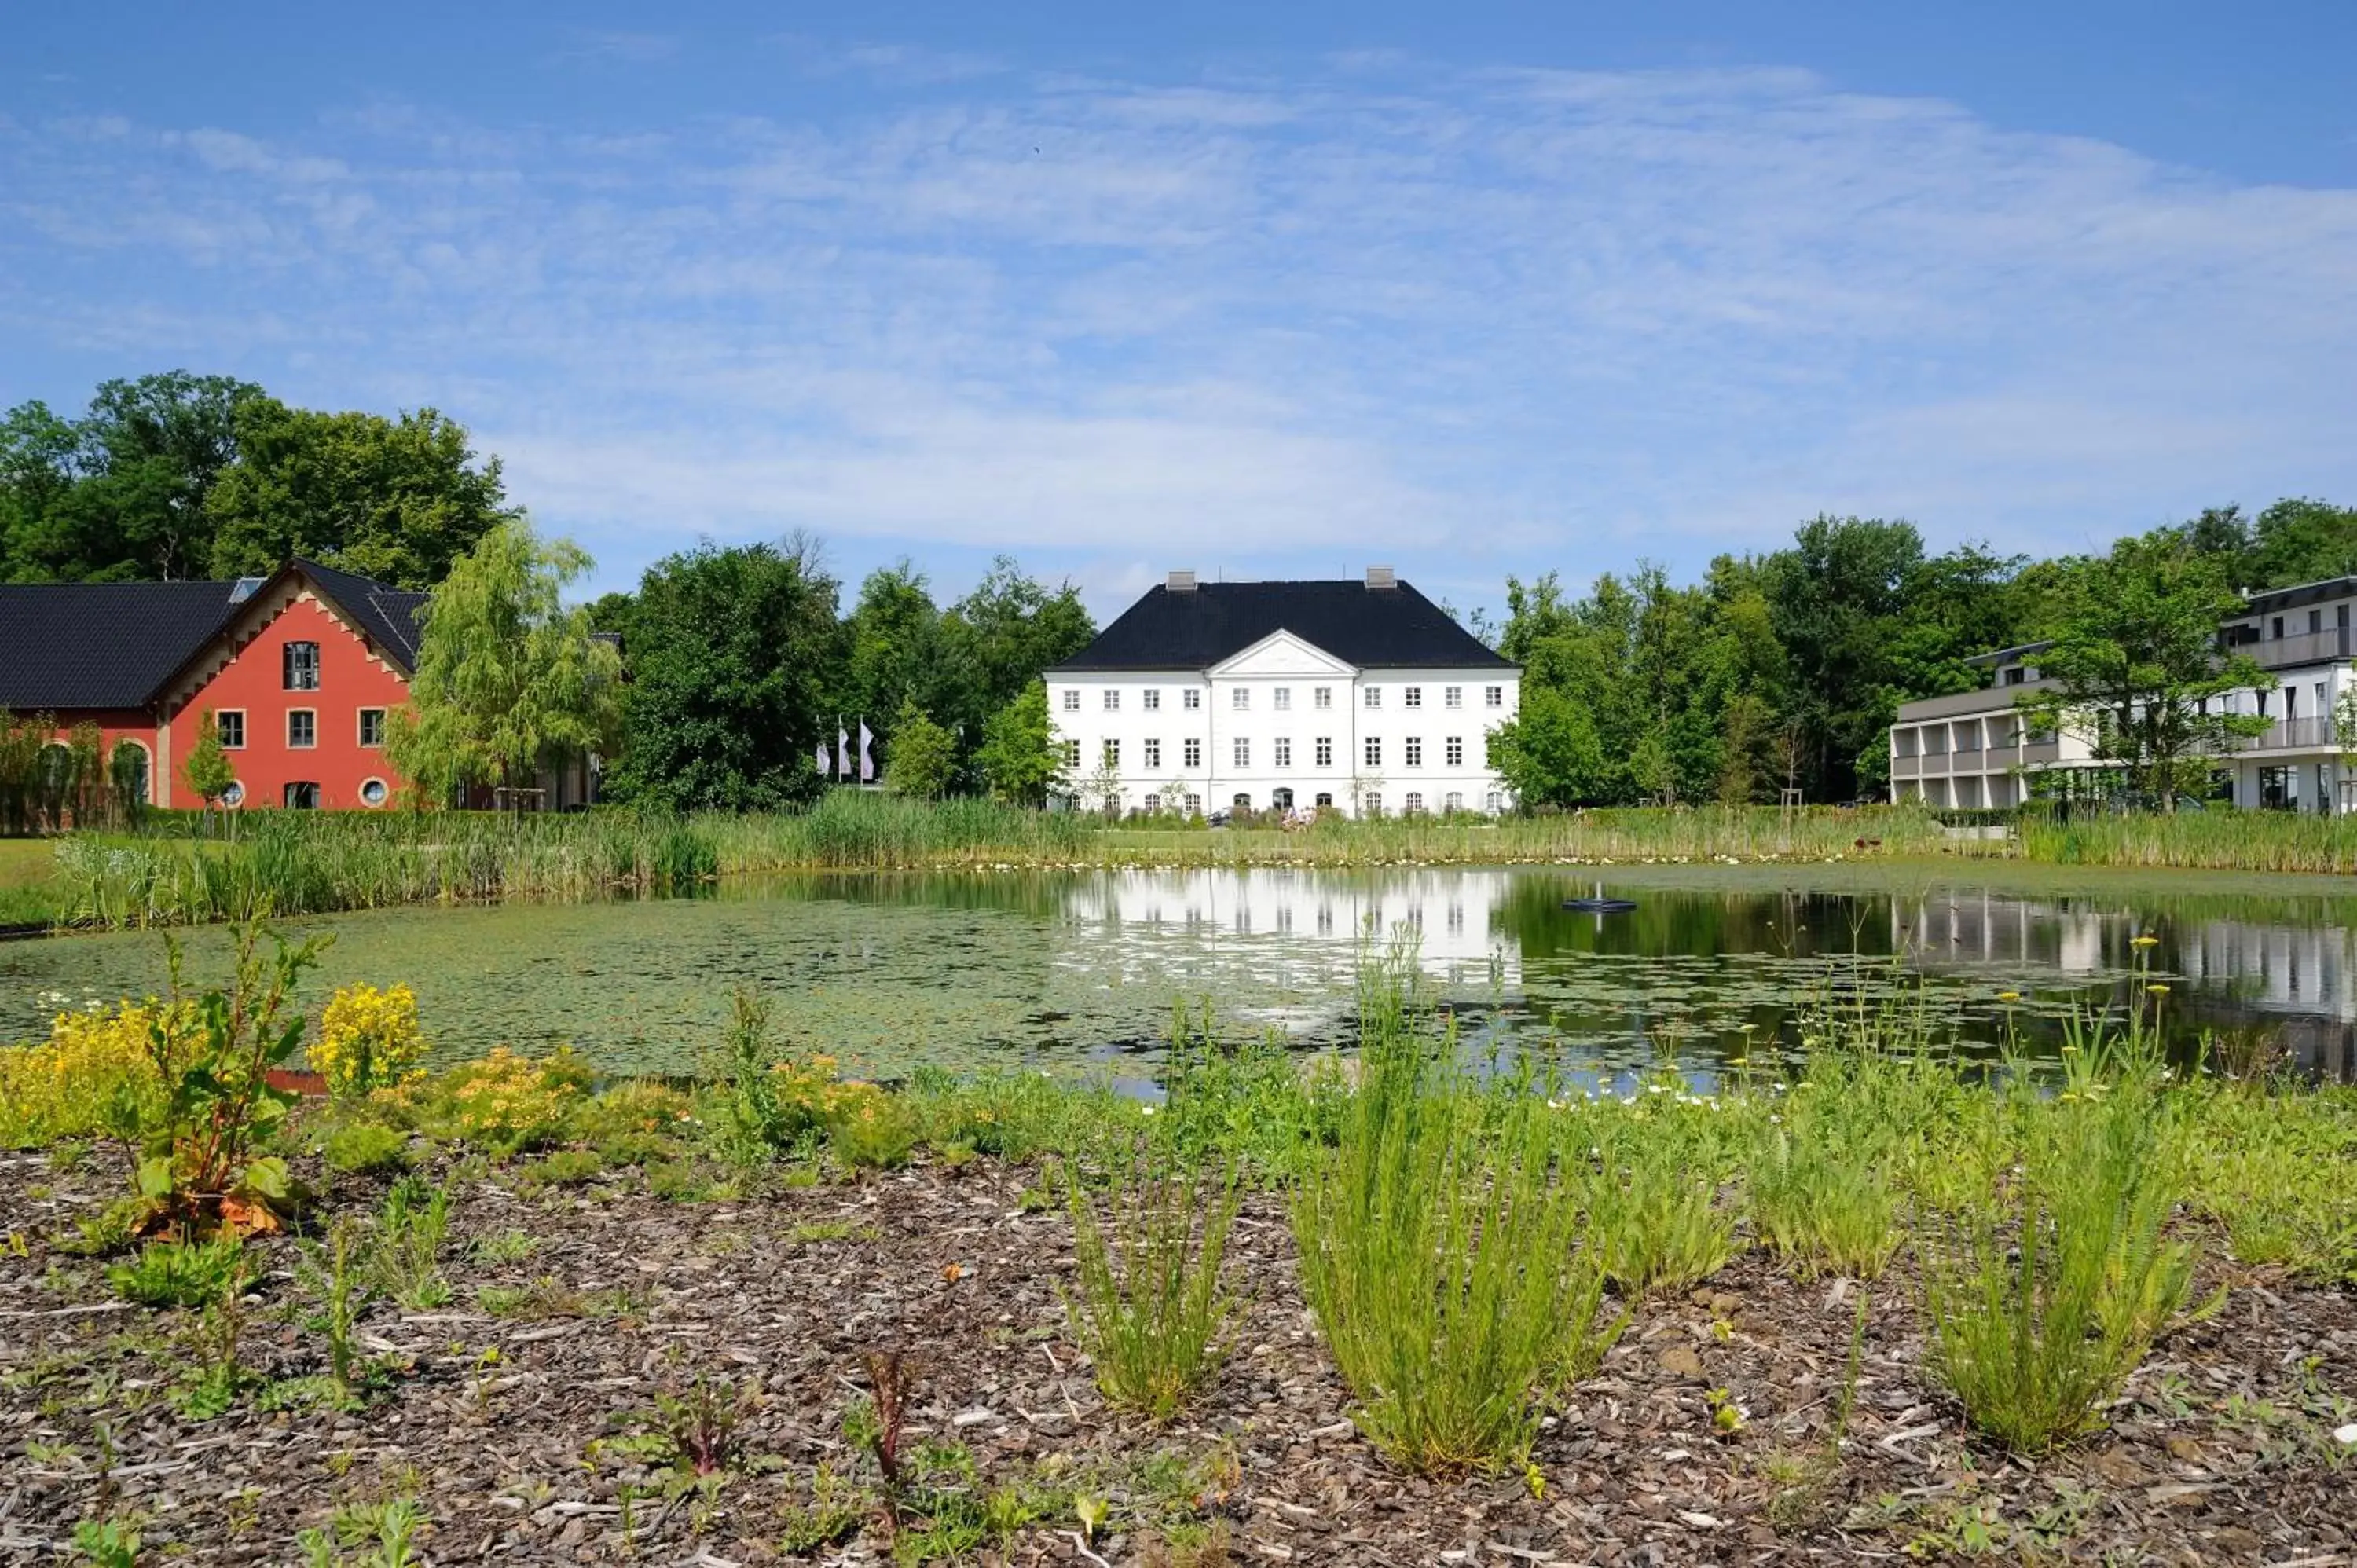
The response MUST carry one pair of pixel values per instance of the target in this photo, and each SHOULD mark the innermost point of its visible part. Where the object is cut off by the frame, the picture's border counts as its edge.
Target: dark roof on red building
(74, 646)
(1194, 628)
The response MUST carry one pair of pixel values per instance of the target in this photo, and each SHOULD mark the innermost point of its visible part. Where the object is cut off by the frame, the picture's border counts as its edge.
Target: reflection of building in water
(2295, 981)
(1452, 914)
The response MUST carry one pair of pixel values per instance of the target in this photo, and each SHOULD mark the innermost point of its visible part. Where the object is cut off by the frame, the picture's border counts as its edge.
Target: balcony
(1906, 767)
(2296, 734)
(2306, 647)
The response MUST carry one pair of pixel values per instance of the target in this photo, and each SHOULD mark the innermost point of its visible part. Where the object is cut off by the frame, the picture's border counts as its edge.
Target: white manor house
(1362, 696)
(1974, 748)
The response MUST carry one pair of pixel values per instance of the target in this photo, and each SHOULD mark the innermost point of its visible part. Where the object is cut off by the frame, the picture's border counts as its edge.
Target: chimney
(1182, 581)
(1379, 577)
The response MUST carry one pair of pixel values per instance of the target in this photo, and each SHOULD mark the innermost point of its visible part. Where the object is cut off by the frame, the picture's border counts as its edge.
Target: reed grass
(1148, 1307)
(2217, 839)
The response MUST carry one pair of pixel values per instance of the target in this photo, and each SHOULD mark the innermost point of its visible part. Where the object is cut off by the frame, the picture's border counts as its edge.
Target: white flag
(825, 763)
(842, 748)
(866, 762)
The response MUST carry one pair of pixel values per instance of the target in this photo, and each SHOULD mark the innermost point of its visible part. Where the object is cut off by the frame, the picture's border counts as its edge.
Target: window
(371, 726)
(1453, 749)
(1240, 699)
(2016, 674)
(234, 796)
(1415, 805)
(137, 766)
(1326, 751)
(302, 666)
(1496, 802)
(374, 792)
(1283, 751)
(1071, 699)
(1112, 754)
(1282, 699)
(1153, 699)
(1374, 751)
(1194, 805)
(1153, 756)
(1414, 749)
(1243, 752)
(1194, 699)
(1153, 804)
(1412, 697)
(1324, 801)
(1375, 697)
(1374, 804)
(1452, 696)
(1112, 699)
(302, 728)
(1194, 752)
(1322, 697)
(302, 797)
(1280, 799)
(1493, 696)
(1071, 754)
(232, 724)
(1454, 802)
(1242, 802)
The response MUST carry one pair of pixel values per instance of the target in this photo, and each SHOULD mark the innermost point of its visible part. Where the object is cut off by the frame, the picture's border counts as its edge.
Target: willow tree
(510, 680)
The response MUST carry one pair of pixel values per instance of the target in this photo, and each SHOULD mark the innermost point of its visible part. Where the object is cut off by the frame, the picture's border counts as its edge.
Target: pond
(888, 971)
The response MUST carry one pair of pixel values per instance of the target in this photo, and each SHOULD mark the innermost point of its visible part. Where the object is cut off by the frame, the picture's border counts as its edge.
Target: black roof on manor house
(118, 645)
(1194, 628)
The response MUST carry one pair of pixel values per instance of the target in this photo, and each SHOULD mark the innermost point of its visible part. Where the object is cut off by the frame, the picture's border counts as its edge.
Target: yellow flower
(2008, 996)
(2144, 941)
(2158, 990)
(368, 1040)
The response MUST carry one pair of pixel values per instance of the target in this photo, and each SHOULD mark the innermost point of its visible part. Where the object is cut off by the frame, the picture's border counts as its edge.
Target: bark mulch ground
(2220, 1452)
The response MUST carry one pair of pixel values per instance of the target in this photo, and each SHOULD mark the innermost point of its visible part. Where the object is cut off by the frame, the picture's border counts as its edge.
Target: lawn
(28, 869)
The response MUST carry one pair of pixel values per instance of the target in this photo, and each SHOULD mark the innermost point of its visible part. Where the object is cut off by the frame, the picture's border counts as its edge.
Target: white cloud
(1511, 318)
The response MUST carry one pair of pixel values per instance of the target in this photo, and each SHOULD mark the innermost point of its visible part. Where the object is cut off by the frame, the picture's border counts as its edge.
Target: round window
(374, 792)
(234, 796)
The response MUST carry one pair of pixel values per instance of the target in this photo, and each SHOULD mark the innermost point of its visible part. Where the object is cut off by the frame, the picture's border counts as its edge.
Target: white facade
(1286, 724)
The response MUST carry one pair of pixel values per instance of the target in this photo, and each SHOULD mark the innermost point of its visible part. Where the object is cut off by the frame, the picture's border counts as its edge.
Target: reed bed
(2223, 839)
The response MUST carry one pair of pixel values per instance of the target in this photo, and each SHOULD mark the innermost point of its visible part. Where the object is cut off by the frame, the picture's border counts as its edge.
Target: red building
(301, 671)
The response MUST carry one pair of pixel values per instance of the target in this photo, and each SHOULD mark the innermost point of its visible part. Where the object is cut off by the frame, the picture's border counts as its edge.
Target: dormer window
(300, 663)
(2015, 675)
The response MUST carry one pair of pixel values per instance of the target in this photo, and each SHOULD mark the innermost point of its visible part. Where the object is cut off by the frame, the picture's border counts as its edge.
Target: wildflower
(2144, 941)
(2156, 989)
(2008, 996)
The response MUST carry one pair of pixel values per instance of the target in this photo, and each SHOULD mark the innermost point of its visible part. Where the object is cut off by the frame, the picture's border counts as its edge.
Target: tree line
(1776, 671)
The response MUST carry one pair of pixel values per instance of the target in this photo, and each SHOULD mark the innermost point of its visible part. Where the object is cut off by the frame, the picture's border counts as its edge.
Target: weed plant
(1441, 1247)
(183, 1273)
(405, 1256)
(1657, 1227)
(1147, 1306)
(2043, 1303)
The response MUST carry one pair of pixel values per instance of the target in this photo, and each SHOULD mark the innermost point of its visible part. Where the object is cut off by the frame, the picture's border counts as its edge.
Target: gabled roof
(100, 645)
(1195, 628)
(70, 646)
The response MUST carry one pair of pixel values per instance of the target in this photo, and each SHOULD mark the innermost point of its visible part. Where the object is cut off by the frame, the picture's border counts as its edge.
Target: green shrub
(182, 1274)
(365, 1148)
(405, 1256)
(1656, 1226)
(879, 1132)
(1826, 1205)
(1441, 1249)
(565, 1168)
(2041, 1305)
(1149, 1308)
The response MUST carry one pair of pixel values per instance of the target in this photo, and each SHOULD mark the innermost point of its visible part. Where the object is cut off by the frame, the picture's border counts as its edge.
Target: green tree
(998, 639)
(893, 653)
(121, 493)
(2137, 666)
(734, 654)
(209, 770)
(1018, 756)
(508, 679)
(2299, 540)
(1549, 753)
(396, 499)
(921, 756)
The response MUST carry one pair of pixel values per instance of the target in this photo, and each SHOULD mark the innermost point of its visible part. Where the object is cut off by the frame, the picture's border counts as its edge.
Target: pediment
(1282, 653)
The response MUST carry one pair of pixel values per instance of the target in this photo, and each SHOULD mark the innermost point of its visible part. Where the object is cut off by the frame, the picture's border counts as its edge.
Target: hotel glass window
(1111, 698)
(302, 727)
(1412, 696)
(1374, 751)
(1414, 803)
(1374, 804)
(1194, 698)
(1194, 805)
(1243, 752)
(1325, 751)
(1153, 699)
(1454, 749)
(1283, 751)
(1071, 699)
(1375, 697)
(371, 726)
(1493, 696)
(232, 730)
(1452, 696)
(1321, 697)
(1153, 804)
(302, 797)
(1324, 799)
(1496, 802)
(1194, 754)
(1153, 754)
(1112, 754)
(1282, 699)
(1281, 801)
(1413, 748)
(1071, 754)
(374, 792)
(301, 662)
(1240, 699)
(1453, 801)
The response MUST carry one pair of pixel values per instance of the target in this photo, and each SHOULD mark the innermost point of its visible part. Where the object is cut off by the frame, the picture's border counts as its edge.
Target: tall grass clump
(1442, 1248)
(2044, 1301)
(1149, 1308)
(1657, 1224)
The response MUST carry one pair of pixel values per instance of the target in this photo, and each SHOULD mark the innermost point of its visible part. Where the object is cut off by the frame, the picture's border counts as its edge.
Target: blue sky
(1257, 290)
